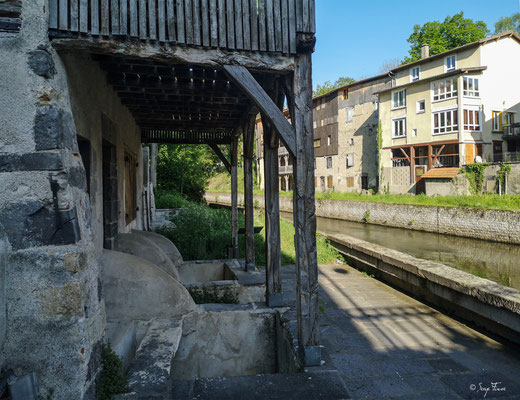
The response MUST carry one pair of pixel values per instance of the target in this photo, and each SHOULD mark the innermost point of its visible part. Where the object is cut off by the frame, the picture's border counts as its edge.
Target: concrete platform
(386, 345)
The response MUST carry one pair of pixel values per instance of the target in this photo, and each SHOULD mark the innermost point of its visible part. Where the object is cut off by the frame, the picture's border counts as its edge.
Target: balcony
(285, 170)
(245, 25)
(511, 131)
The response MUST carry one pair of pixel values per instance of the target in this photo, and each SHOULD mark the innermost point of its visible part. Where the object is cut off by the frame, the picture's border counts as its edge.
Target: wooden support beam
(221, 156)
(243, 78)
(412, 164)
(274, 297)
(234, 197)
(249, 129)
(430, 163)
(304, 218)
(438, 154)
(404, 152)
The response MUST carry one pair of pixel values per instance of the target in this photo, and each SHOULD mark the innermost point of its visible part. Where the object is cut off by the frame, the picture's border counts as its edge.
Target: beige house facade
(449, 110)
(345, 139)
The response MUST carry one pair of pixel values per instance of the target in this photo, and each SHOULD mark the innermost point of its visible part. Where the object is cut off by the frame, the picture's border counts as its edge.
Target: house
(450, 109)
(345, 139)
(85, 83)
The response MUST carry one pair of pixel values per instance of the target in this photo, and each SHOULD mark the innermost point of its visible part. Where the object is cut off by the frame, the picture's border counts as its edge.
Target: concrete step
(122, 338)
(326, 385)
(149, 372)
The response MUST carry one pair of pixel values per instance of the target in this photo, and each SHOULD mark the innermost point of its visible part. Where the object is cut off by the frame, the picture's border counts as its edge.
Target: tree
(454, 32)
(328, 86)
(508, 23)
(186, 169)
(390, 65)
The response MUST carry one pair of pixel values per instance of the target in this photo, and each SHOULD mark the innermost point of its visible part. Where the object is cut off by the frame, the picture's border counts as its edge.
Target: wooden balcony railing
(251, 25)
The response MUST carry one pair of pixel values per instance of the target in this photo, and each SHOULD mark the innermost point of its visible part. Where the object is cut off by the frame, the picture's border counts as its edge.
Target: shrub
(112, 380)
(170, 199)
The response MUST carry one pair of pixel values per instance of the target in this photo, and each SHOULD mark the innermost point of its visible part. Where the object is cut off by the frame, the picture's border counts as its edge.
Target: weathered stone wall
(55, 316)
(494, 225)
(4, 247)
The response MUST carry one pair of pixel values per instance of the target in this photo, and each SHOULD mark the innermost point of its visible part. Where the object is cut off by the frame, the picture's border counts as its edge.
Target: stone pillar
(287, 187)
(4, 247)
(55, 317)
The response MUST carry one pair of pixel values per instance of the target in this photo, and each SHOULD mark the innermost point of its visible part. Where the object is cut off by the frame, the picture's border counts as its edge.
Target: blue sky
(356, 37)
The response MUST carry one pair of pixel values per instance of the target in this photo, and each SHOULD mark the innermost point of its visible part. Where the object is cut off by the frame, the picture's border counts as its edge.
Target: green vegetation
(328, 85)
(454, 32)
(505, 169)
(508, 23)
(112, 380)
(475, 175)
(366, 216)
(206, 295)
(170, 199)
(204, 233)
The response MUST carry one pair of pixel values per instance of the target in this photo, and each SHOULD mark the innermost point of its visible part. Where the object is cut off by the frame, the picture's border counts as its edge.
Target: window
(497, 121)
(414, 133)
(350, 181)
(364, 182)
(471, 87)
(472, 120)
(450, 63)
(399, 127)
(329, 140)
(350, 114)
(421, 106)
(509, 120)
(445, 122)
(350, 160)
(443, 90)
(329, 162)
(415, 74)
(399, 99)
(317, 142)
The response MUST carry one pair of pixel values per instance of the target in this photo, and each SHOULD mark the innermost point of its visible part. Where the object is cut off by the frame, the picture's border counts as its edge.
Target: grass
(483, 201)
(203, 233)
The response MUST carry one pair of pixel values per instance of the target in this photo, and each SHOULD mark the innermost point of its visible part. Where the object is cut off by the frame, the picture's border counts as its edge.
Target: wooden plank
(53, 14)
(246, 25)
(222, 27)
(304, 215)
(94, 17)
(143, 33)
(262, 34)
(243, 78)
(152, 20)
(253, 13)
(74, 15)
(285, 26)
(204, 10)
(83, 16)
(299, 15)
(239, 35)
(292, 26)
(123, 17)
(234, 196)
(134, 19)
(230, 15)
(277, 10)
(271, 45)
(114, 14)
(249, 130)
(181, 36)
(312, 16)
(64, 15)
(188, 18)
(105, 17)
(213, 18)
(196, 23)
(170, 12)
(161, 19)
(221, 156)
(305, 16)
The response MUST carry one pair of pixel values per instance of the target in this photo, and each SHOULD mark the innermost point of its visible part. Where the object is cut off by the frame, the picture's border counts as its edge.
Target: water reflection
(494, 261)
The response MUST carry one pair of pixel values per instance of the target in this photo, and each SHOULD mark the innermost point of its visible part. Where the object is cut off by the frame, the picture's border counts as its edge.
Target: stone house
(84, 85)
(345, 139)
(450, 109)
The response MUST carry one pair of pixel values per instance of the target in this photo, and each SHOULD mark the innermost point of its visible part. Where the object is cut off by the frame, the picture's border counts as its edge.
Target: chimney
(425, 51)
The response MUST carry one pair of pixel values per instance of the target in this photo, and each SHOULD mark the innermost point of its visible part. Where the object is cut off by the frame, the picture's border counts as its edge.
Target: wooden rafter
(221, 156)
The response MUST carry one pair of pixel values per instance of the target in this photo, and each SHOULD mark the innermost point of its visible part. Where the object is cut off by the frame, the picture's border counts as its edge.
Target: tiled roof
(448, 173)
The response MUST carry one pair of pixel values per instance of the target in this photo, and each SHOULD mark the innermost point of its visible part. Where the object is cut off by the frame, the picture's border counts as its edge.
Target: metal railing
(506, 157)
(255, 25)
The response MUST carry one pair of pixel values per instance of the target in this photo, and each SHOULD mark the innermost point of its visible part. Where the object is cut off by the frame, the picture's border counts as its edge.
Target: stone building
(345, 139)
(84, 84)
(450, 109)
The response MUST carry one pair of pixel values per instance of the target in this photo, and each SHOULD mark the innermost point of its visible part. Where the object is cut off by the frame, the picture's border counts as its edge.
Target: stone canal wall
(486, 303)
(493, 225)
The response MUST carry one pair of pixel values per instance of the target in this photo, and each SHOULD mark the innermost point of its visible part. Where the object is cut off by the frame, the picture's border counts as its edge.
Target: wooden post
(234, 197)
(153, 164)
(300, 102)
(273, 285)
(249, 131)
(412, 164)
(430, 156)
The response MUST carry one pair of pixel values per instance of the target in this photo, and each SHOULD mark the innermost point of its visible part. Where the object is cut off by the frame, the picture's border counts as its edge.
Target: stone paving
(387, 345)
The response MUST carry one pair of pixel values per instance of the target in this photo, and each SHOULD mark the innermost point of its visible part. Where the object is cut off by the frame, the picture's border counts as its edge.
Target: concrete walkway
(387, 345)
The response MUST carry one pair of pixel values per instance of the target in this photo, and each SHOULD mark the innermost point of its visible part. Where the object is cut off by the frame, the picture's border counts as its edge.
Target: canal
(497, 262)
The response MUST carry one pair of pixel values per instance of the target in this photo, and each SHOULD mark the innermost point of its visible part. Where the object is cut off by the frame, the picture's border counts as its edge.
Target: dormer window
(415, 74)
(450, 63)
